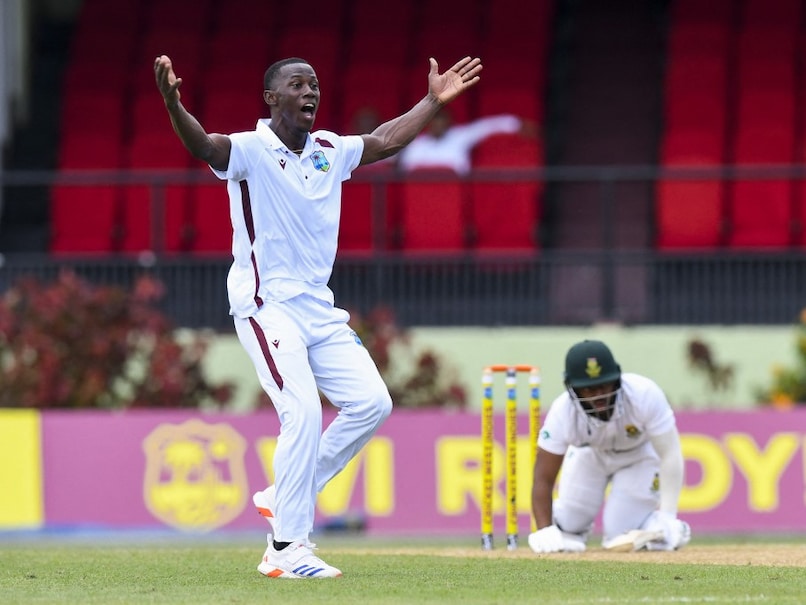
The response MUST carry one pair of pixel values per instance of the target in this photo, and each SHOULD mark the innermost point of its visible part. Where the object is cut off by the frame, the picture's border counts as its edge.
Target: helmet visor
(599, 400)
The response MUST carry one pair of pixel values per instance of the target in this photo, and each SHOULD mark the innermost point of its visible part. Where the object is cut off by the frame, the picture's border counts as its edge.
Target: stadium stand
(218, 47)
(732, 90)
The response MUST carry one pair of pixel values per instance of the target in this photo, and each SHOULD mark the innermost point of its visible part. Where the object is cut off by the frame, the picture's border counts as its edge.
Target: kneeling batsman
(607, 429)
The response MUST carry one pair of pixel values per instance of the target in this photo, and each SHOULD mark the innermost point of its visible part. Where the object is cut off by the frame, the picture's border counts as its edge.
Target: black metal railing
(546, 286)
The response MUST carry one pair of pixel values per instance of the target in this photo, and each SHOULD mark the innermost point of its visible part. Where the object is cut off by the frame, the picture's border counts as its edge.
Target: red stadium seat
(367, 206)
(254, 50)
(693, 147)
(765, 143)
(355, 230)
(371, 85)
(326, 15)
(504, 21)
(210, 224)
(505, 215)
(689, 214)
(508, 150)
(699, 39)
(371, 15)
(770, 43)
(363, 47)
(432, 212)
(245, 16)
(693, 74)
(155, 150)
(90, 151)
(84, 219)
(761, 214)
(780, 12)
(93, 114)
(229, 110)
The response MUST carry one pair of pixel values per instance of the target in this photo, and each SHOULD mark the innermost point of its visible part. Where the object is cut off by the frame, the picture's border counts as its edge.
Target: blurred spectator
(364, 121)
(445, 145)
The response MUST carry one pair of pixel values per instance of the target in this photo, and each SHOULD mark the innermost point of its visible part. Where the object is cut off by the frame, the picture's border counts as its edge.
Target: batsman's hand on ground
(548, 539)
(167, 82)
(449, 85)
(671, 527)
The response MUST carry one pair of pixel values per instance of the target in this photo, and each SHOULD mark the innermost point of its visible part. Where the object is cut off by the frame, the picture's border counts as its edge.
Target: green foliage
(415, 378)
(72, 344)
(788, 386)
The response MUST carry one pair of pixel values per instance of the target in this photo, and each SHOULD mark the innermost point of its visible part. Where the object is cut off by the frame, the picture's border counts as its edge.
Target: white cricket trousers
(586, 473)
(298, 346)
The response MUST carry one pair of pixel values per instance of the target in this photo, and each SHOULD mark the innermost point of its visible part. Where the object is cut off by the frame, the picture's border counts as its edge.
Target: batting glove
(548, 539)
(676, 533)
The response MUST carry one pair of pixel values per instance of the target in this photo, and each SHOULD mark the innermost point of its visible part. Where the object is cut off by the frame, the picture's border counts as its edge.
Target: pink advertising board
(745, 471)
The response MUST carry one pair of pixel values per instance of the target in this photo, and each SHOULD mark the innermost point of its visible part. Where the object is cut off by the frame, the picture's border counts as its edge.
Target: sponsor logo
(195, 477)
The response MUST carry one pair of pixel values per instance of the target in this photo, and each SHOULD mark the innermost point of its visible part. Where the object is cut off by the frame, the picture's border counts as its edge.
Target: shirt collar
(270, 137)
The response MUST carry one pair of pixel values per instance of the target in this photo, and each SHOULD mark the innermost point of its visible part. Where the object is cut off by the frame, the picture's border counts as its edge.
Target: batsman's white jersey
(285, 213)
(617, 451)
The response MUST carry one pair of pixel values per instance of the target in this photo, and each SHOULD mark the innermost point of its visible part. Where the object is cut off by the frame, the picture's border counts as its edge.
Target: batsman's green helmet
(590, 363)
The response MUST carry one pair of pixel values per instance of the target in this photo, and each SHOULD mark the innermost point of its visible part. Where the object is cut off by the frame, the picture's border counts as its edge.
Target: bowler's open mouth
(309, 108)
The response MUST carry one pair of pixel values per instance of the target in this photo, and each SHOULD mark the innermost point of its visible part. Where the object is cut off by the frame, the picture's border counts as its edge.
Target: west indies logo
(195, 478)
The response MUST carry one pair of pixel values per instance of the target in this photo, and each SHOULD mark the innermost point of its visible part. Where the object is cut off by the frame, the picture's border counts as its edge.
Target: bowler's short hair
(274, 69)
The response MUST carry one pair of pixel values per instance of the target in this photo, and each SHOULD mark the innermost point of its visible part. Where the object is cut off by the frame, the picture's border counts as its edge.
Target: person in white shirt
(448, 145)
(607, 429)
(284, 185)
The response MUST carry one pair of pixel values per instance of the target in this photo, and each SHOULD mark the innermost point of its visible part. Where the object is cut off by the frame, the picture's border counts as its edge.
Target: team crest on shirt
(632, 431)
(319, 160)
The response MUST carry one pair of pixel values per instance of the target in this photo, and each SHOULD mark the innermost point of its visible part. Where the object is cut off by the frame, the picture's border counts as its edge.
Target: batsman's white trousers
(297, 346)
(586, 473)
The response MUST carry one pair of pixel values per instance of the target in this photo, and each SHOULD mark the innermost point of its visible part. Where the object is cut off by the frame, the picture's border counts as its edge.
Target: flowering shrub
(71, 344)
(789, 384)
(416, 379)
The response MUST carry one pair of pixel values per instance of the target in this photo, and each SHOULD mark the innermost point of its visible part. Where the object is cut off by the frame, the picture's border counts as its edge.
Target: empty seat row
(732, 82)
(381, 209)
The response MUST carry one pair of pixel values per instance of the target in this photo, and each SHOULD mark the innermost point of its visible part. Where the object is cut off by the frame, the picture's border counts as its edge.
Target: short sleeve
(242, 156)
(553, 436)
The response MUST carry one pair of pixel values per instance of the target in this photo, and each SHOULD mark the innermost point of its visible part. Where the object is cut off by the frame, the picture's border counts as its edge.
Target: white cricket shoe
(295, 561)
(266, 505)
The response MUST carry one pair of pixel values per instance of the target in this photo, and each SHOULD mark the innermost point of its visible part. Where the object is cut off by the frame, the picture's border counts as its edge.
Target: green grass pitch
(200, 572)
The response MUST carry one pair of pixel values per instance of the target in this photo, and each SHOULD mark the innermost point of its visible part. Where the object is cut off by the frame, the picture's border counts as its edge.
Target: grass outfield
(384, 571)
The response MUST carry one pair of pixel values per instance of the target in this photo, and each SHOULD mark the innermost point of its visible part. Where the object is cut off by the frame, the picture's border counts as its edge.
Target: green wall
(658, 352)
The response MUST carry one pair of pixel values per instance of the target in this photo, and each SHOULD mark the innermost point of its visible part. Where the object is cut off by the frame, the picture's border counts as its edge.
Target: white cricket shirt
(642, 410)
(285, 213)
(452, 150)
